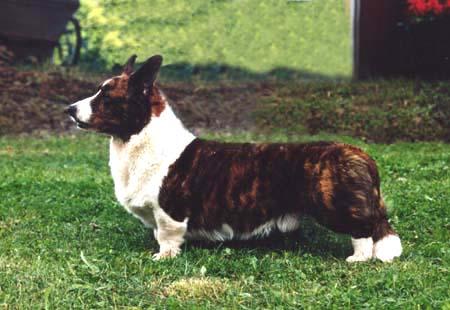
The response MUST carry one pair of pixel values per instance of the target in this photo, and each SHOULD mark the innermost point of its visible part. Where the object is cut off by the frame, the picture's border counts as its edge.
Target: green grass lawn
(252, 37)
(65, 241)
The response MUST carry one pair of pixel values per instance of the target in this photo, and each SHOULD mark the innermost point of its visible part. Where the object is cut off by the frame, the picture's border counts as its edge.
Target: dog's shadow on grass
(310, 238)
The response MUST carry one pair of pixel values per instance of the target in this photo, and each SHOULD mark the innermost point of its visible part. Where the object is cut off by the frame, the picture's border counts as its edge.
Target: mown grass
(249, 37)
(65, 241)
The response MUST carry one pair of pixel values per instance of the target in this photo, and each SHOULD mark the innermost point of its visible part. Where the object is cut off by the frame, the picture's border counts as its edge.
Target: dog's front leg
(169, 234)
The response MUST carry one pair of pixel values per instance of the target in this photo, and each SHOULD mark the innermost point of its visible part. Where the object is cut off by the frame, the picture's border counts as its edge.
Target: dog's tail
(387, 244)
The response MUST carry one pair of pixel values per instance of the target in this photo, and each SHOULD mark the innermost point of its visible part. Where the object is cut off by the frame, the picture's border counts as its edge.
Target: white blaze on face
(84, 109)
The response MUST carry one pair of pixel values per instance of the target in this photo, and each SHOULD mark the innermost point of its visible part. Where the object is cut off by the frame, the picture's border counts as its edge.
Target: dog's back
(249, 186)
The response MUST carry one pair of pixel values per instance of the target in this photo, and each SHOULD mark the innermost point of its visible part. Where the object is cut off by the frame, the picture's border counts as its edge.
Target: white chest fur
(138, 167)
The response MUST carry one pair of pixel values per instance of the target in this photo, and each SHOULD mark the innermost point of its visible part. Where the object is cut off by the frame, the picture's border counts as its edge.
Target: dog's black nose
(71, 110)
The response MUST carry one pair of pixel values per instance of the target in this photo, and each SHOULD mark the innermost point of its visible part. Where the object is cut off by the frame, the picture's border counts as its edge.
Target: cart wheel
(68, 48)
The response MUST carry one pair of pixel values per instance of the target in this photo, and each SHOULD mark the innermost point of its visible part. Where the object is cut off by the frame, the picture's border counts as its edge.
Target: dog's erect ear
(145, 76)
(128, 67)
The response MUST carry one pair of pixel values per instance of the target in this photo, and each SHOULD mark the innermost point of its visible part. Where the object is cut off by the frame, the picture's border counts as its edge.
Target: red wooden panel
(375, 22)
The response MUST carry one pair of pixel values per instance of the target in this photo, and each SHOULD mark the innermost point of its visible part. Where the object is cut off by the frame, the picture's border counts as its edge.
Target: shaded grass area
(65, 242)
(216, 72)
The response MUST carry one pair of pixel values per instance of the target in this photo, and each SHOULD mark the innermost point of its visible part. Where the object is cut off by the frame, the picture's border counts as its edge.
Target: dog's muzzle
(72, 112)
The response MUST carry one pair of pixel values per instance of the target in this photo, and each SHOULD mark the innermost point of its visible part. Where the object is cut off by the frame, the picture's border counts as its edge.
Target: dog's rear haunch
(189, 188)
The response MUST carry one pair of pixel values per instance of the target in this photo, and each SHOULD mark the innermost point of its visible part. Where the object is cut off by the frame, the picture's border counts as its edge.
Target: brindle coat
(246, 185)
(238, 188)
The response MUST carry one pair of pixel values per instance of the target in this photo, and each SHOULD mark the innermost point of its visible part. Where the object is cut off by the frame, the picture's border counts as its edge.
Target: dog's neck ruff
(145, 158)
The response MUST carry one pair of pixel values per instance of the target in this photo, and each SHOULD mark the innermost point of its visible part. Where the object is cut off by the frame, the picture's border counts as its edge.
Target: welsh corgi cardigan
(186, 187)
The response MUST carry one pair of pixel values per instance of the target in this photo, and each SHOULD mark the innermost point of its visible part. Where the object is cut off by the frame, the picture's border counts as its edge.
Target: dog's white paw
(362, 248)
(169, 253)
(388, 248)
(357, 258)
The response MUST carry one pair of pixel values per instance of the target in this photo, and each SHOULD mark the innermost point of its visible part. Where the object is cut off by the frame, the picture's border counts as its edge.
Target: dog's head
(124, 104)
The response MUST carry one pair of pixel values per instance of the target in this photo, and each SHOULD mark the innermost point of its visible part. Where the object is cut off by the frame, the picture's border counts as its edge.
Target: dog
(185, 187)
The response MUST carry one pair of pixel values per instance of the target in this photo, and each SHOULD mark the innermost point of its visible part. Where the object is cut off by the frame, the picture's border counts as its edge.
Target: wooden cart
(36, 27)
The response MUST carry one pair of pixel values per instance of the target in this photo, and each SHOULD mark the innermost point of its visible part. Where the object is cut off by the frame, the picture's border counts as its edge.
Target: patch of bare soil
(216, 107)
(33, 101)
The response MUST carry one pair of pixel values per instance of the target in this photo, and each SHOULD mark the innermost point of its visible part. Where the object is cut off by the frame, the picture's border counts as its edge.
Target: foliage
(66, 243)
(425, 7)
(384, 110)
(254, 35)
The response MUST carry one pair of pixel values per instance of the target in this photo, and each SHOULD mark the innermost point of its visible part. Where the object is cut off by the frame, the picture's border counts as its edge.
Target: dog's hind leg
(169, 234)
